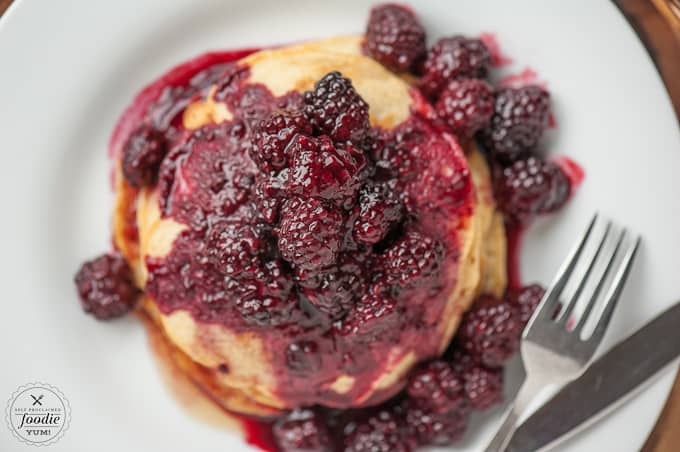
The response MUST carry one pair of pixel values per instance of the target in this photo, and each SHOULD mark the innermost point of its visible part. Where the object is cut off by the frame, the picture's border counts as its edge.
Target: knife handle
(529, 390)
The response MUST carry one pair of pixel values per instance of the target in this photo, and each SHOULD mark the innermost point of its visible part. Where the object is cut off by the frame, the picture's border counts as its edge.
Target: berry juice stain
(498, 58)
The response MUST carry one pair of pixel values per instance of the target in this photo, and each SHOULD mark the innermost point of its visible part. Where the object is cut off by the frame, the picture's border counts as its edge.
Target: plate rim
(15, 6)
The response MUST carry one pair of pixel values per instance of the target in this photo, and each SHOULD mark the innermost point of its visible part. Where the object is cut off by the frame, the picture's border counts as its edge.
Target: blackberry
(437, 387)
(381, 432)
(269, 195)
(444, 185)
(520, 117)
(466, 106)
(413, 260)
(106, 287)
(526, 299)
(490, 331)
(453, 58)
(251, 103)
(373, 315)
(272, 279)
(396, 152)
(435, 429)
(335, 108)
(324, 170)
(395, 37)
(302, 430)
(379, 208)
(266, 297)
(529, 187)
(272, 136)
(234, 247)
(310, 233)
(483, 387)
(143, 153)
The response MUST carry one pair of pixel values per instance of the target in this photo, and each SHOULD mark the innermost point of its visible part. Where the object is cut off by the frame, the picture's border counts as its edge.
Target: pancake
(254, 384)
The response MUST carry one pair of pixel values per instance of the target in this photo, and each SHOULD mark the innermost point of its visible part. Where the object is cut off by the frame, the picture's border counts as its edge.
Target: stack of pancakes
(204, 351)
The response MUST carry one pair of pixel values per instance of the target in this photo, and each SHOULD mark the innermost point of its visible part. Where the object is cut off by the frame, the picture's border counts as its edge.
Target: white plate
(67, 70)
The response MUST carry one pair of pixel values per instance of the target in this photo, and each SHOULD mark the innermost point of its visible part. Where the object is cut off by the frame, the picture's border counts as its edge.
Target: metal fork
(553, 348)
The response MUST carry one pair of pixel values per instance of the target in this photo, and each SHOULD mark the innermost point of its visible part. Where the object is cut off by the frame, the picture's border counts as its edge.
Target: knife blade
(608, 383)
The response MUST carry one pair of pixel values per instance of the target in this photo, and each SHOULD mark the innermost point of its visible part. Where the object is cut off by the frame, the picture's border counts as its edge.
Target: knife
(608, 383)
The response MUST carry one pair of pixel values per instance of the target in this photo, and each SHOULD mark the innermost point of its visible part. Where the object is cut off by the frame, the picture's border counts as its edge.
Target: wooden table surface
(657, 22)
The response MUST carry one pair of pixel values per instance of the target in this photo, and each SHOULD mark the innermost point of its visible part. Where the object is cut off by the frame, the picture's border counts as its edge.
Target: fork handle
(526, 394)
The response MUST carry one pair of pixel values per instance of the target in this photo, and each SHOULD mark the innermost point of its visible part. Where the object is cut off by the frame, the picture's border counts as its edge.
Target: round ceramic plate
(69, 68)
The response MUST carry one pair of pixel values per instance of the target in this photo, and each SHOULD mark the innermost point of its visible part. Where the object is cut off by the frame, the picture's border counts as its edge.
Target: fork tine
(569, 306)
(600, 284)
(615, 290)
(546, 309)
